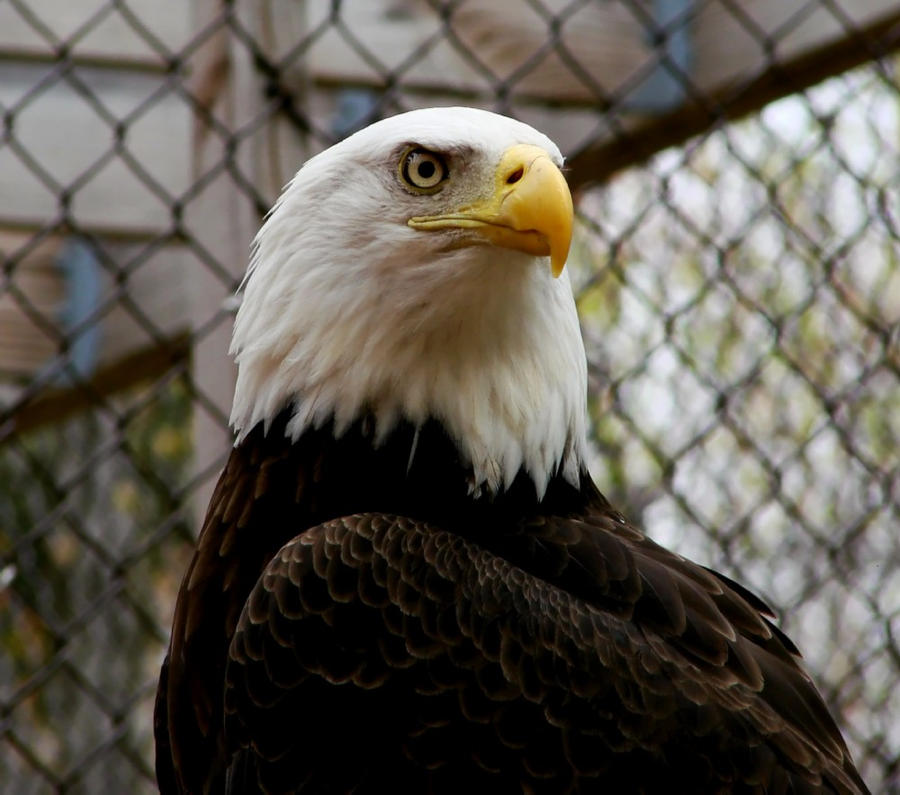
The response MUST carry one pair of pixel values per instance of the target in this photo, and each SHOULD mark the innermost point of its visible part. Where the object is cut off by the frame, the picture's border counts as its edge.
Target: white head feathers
(347, 309)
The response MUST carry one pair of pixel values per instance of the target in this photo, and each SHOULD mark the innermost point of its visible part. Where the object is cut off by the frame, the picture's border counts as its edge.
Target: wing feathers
(465, 663)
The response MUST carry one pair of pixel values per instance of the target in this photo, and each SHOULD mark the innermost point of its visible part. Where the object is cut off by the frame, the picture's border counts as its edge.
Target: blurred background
(736, 165)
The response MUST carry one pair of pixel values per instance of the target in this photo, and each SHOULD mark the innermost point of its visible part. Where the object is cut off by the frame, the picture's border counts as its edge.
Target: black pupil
(426, 169)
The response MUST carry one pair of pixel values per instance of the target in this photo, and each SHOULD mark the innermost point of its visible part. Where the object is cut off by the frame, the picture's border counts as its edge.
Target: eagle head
(414, 271)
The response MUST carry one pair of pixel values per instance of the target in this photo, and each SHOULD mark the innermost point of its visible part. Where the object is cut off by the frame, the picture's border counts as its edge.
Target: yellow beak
(529, 209)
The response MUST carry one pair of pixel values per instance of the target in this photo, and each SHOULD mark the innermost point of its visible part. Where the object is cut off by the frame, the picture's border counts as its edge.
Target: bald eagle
(406, 581)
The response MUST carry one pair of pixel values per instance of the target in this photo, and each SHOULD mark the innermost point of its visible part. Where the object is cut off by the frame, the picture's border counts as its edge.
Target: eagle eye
(422, 170)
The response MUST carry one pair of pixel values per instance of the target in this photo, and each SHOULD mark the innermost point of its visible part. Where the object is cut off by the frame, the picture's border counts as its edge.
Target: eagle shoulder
(570, 649)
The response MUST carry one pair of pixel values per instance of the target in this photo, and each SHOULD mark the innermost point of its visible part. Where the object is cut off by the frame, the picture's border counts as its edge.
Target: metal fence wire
(737, 267)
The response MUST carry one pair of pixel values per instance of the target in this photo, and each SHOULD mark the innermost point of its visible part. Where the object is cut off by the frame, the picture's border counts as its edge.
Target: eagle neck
(415, 471)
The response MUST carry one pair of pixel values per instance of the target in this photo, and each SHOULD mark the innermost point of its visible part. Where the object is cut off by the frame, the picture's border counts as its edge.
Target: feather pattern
(547, 649)
(406, 581)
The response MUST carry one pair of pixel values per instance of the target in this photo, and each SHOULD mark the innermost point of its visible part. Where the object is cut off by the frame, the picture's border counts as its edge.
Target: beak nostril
(515, 176)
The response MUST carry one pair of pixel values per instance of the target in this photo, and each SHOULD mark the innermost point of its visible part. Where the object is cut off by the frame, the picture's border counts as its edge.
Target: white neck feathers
(482, 339)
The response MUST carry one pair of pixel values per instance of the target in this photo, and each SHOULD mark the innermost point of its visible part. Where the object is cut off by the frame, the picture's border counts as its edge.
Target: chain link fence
(737, 267)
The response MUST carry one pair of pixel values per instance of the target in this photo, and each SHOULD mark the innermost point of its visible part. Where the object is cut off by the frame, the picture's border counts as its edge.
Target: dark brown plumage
(406, 581)
(351, 623)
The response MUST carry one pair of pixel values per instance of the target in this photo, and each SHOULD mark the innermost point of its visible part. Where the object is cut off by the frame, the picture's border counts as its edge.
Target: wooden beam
(638, 143)
(30, 54)
(132, 233)
(55, 405)
(141, 33)
(33, 293)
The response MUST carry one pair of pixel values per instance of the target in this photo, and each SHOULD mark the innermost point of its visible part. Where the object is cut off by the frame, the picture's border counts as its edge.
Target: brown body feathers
(352, 622)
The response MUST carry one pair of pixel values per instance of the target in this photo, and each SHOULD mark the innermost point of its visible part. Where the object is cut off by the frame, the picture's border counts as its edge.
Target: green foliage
(86, 544)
